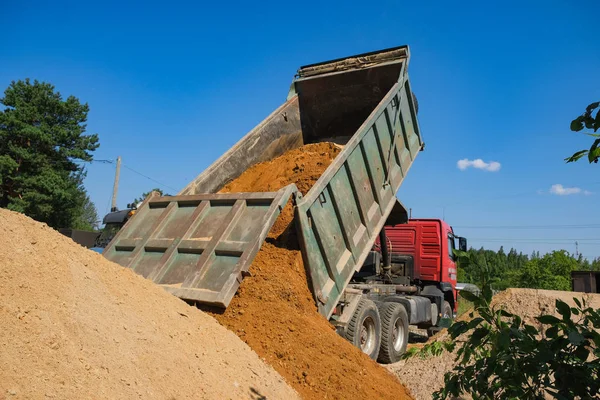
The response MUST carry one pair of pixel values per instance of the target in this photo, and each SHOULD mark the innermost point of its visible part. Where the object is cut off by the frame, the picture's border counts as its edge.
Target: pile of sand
(75, 325)
(302, 166)
(422, 377)
(273, 310)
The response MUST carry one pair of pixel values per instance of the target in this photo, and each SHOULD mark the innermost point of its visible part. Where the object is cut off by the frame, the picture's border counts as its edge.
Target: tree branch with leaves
(500, 356)
(590, 120)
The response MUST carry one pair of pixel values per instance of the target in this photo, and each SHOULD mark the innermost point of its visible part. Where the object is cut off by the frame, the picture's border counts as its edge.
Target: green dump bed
(199, 244)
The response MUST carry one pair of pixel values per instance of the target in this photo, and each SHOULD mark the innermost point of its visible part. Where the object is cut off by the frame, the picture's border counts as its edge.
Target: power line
(554, 241)
(534, 243)
(569, 226)
(516, 239)
(147, 177)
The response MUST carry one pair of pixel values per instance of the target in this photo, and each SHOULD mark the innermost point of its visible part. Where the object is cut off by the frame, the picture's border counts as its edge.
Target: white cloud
(587, 192)
(465, 163)
(565, 191)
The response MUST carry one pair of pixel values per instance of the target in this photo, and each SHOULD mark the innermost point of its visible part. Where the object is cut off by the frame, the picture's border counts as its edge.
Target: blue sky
(171, 86)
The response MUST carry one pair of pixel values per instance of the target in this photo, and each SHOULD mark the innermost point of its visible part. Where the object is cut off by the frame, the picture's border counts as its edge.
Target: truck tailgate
(198, 247)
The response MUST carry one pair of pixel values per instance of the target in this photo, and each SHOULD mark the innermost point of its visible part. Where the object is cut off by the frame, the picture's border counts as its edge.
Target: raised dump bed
(199, 244)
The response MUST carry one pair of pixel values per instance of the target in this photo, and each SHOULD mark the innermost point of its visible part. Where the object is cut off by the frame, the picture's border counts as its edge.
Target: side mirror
(462, 244)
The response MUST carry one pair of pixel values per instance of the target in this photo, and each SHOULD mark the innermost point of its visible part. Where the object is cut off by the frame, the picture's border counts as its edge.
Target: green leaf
(503, 339)
(591, 107)
(575, 338)
(505, 313)
(517, 321)
(577, 124)
(478, 335)
(487, 293)
(552, 332)
(563, 309)
(556, 395)
(596, 340)
(469, 296)
(530, 330)
(582, 353)
(576, 300)
(474, 322)
(449, 346)
(457, 329)
(576, 156)
(574, 311)
(548, 319)
(594, 154)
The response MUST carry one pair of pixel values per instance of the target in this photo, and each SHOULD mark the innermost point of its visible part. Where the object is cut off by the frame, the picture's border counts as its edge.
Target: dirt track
(75, 325)
(423, 377)
(274, 311)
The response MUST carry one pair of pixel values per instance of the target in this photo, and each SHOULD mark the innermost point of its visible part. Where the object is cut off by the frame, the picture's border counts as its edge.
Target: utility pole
(116, 186)
(410, 213)
(576, 249)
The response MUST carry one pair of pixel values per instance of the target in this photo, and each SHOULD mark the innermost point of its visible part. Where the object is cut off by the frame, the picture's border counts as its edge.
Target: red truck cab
(428, 244)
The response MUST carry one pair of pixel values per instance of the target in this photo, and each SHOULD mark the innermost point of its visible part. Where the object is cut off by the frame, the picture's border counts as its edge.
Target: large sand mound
(74, 325)
(274, 311)
(424, 376)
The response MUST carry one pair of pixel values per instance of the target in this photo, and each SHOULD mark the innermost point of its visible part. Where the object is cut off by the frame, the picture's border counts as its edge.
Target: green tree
(88, 220)
(552, 271)
(41, 138)
(477, 268)
(591, 122)
(595, 264)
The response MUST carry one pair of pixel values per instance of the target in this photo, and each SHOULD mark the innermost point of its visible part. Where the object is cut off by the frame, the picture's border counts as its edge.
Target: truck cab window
(451, 247)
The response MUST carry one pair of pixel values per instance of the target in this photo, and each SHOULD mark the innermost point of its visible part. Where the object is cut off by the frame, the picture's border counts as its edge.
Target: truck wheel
(394, 332)
(364, 329)
(446, 313)
(447, 310)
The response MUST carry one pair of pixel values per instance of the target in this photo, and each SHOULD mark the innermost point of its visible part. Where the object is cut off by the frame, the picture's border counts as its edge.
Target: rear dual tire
(394, 332)
(379, 330)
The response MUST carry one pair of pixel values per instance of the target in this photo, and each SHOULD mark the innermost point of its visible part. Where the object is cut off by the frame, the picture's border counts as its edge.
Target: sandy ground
(76, 326)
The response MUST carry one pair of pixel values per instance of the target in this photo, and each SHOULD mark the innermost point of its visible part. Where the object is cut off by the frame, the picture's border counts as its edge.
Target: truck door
(449, 267)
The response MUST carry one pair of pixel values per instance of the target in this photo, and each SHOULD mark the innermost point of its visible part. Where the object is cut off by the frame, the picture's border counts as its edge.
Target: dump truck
(84, 238)
(113, 222)
(422, 251)
(199, 244)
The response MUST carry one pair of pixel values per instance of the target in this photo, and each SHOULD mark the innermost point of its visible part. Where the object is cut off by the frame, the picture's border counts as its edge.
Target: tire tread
(387, 312)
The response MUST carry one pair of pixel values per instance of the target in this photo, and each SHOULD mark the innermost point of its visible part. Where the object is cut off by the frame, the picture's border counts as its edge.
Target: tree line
(503, 270)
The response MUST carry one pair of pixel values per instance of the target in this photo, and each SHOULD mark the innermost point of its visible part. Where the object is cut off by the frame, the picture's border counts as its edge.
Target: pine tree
(41, 137)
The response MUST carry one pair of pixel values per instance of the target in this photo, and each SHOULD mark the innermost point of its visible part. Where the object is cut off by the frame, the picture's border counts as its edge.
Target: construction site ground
(75, 325)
